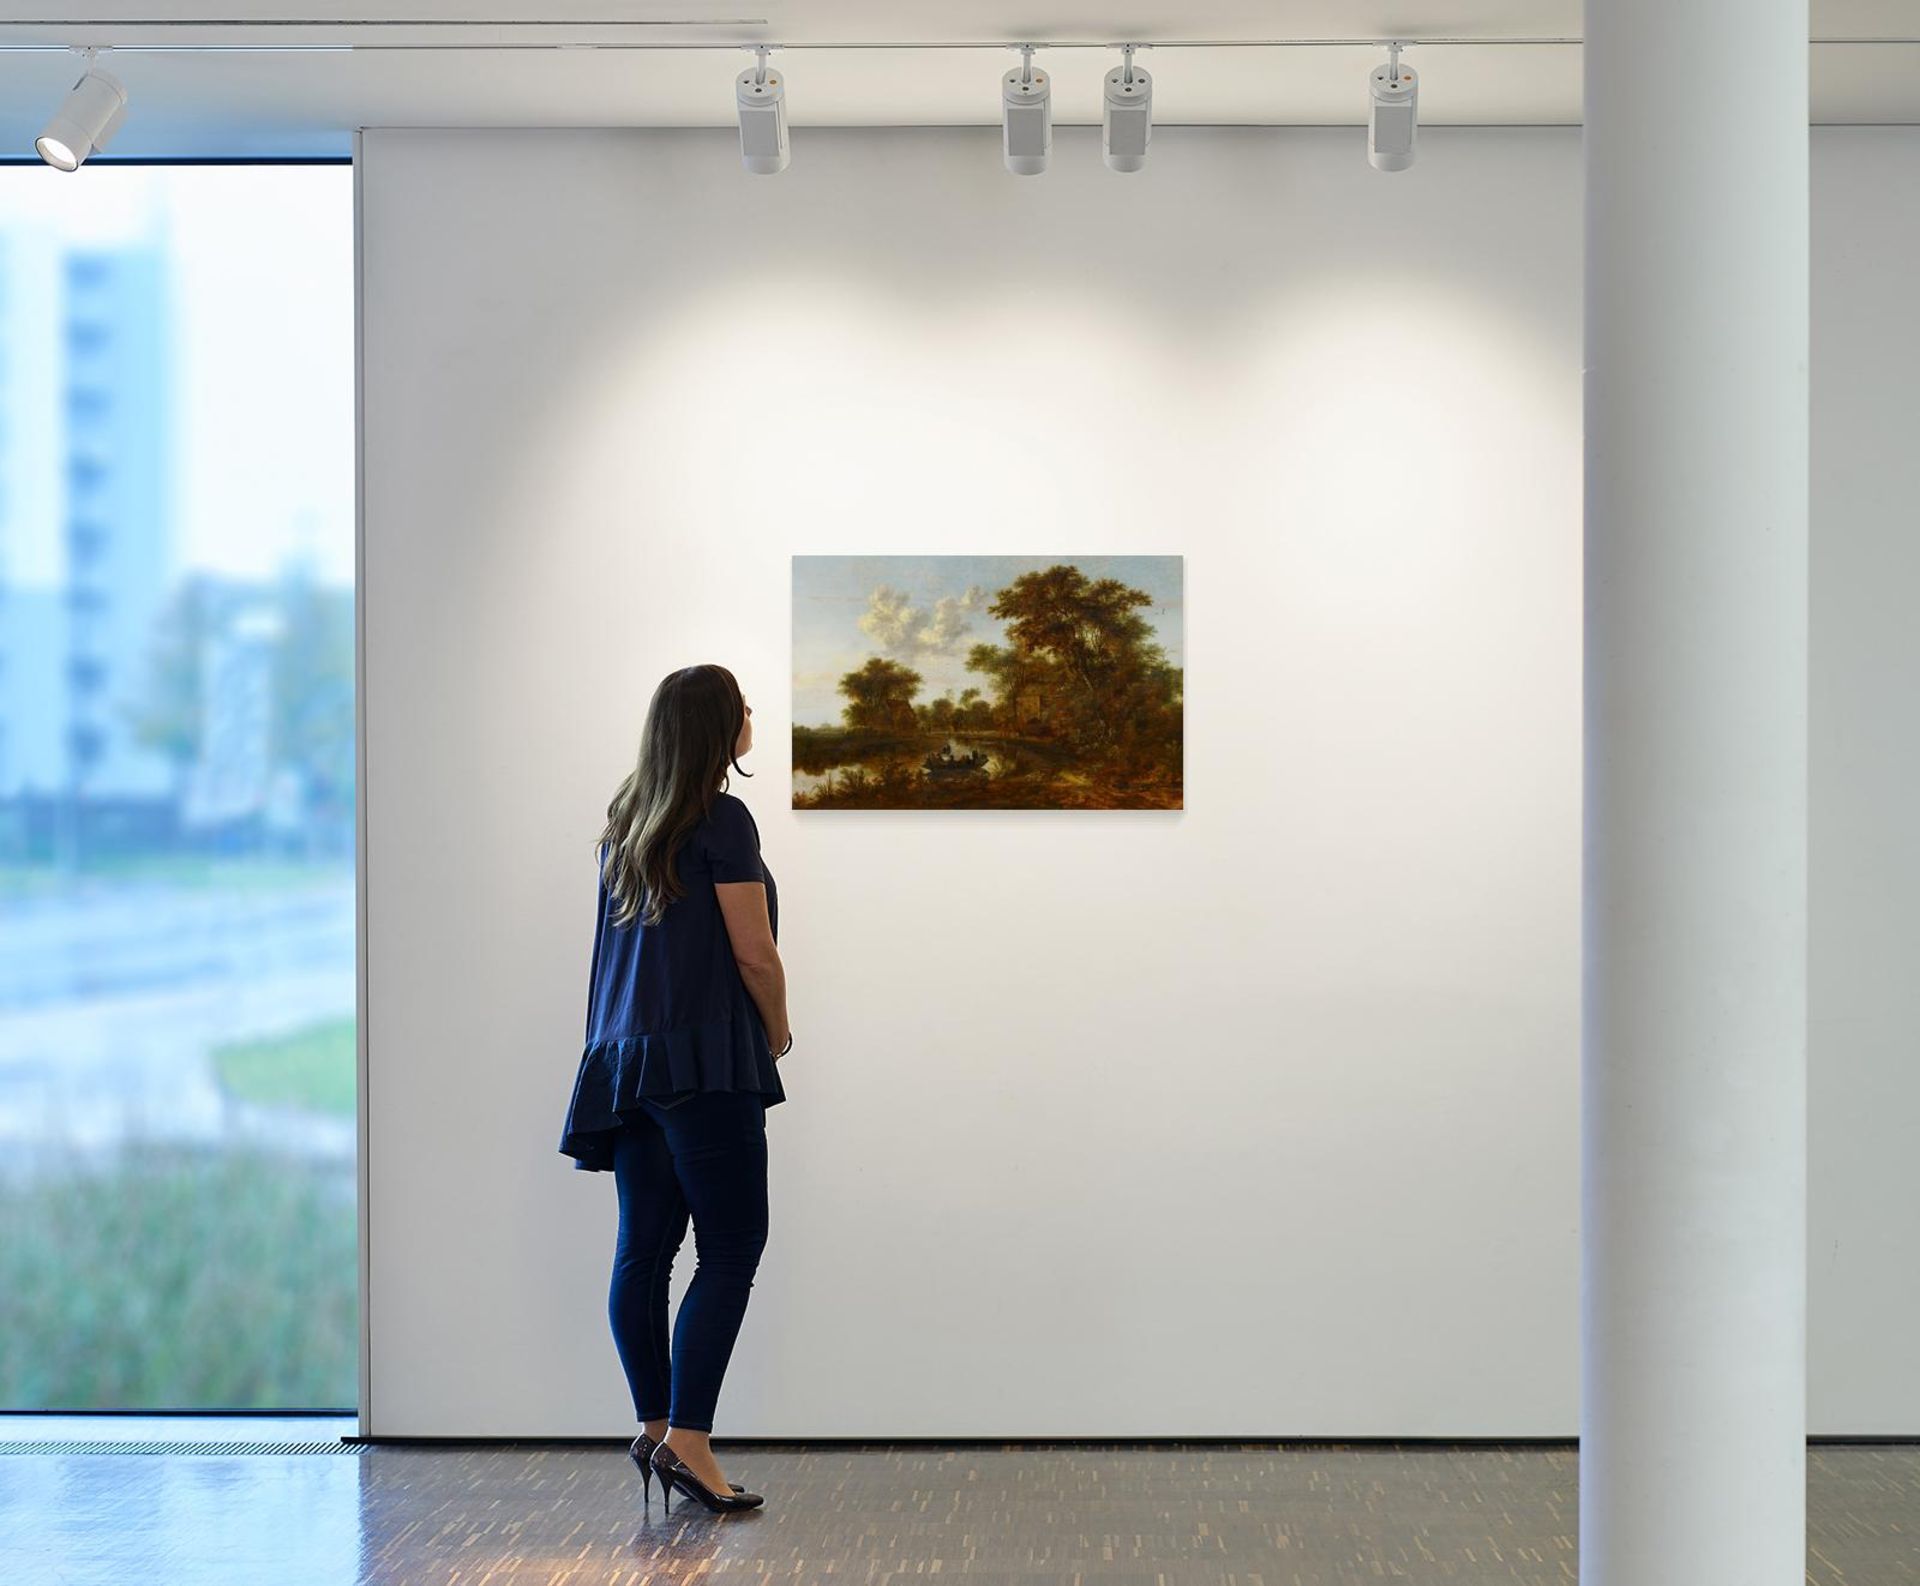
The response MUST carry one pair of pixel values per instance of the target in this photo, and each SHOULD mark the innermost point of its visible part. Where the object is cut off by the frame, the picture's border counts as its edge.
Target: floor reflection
(568, 1515)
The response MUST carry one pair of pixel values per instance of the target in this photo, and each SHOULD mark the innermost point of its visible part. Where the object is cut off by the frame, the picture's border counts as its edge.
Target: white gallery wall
(1257, 1118)
(1863, 1080)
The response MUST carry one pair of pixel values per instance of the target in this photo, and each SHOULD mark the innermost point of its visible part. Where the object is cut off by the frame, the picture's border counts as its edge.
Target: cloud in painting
(890, 619)
(952, 621)
(898, 627)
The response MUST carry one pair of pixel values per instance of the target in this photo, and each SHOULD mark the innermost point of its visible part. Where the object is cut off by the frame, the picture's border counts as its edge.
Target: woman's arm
(743, 905)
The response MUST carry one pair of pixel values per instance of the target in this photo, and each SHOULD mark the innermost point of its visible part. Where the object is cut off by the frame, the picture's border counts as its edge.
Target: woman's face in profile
(746, 729)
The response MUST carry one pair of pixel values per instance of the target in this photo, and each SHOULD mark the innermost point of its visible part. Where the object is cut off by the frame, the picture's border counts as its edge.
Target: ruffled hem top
(668, 1015)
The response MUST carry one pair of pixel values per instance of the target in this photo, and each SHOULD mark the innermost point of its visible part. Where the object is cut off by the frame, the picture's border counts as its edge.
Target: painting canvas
(987, 682)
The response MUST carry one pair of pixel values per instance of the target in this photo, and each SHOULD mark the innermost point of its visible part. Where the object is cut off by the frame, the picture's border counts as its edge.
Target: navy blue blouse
(667, 1012)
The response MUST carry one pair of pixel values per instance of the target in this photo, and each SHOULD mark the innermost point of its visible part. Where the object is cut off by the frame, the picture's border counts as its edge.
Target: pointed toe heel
(640, 1451)
(673, 1474)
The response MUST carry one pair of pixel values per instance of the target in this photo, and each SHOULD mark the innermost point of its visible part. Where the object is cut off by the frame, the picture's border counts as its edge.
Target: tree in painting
(1081, 665)
(880, 696)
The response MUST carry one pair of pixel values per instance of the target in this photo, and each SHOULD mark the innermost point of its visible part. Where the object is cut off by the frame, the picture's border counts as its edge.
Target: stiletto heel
(673, 1473)
(640, 1451)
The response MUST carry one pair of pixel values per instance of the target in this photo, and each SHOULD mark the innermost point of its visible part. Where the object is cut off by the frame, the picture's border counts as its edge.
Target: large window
(177, 1214)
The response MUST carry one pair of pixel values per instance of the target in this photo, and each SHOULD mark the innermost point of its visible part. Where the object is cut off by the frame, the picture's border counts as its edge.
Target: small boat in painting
(946, 762)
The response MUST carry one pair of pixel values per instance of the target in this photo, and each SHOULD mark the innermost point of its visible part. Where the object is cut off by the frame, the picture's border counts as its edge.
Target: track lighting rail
(352, 25)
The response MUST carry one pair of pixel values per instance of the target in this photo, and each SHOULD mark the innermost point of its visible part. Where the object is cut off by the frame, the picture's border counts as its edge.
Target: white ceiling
(437, 63)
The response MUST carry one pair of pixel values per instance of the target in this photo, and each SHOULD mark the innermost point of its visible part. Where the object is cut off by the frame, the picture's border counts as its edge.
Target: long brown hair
(693, 724)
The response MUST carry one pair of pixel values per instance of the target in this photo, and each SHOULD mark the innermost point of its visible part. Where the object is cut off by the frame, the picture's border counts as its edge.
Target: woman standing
(686, 1020)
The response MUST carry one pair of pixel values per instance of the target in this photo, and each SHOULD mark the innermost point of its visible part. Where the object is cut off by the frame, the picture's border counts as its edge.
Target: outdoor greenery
(230, 1282)
(114, 873)
(314, 1068)
(312, 728)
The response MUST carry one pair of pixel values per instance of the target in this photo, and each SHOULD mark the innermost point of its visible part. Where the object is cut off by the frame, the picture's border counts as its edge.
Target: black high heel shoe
(672, 1473)
(640, 1451)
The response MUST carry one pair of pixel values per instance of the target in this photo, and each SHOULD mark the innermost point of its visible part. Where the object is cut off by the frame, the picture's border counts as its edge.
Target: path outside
(111, 1009)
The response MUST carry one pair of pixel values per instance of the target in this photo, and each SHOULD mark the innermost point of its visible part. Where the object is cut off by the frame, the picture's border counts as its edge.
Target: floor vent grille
(133, 1446)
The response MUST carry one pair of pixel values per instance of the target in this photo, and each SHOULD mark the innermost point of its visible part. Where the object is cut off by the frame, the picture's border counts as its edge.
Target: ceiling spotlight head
(1127, 120)
(1026, 116)
(761, 98)
(1395, 93)
(94, 108)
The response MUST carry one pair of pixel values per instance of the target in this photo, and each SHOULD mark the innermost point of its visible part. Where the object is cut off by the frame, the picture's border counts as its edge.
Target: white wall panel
(1257, 1118)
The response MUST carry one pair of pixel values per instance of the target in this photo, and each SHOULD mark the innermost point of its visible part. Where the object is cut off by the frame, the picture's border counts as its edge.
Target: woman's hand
(743, 906)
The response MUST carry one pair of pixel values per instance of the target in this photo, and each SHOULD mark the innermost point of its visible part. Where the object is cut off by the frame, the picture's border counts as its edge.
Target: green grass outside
(315, 1068)
(29, 881)
(180, 1280)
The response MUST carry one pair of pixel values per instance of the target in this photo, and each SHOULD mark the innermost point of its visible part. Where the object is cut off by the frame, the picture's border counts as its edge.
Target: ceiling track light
(1126, 124)
(1395, 93)
(1026, 116)
(761, 99)
(86, 122)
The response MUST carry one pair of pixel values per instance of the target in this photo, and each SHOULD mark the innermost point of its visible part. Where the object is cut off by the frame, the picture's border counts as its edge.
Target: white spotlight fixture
(762, 101)
(1026, 116)
(1127, 124)
(95, 106)
(1395, 91)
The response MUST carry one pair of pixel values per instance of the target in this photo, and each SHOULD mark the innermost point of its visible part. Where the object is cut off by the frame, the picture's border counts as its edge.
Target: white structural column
(1693, 1413)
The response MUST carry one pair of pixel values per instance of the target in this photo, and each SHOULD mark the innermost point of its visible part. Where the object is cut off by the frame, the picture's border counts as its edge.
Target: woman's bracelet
(787, 1048)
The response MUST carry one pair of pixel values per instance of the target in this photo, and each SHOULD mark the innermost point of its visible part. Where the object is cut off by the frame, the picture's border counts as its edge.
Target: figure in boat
(946, 760)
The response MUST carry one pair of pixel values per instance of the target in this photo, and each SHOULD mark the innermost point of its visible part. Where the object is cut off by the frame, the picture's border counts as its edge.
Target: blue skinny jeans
(705, 1157)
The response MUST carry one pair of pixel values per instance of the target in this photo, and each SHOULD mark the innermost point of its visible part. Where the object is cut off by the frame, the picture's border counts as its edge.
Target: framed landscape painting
(987, 682)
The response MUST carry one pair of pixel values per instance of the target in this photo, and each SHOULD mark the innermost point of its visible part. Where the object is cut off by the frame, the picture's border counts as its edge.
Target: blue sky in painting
(928, 611)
